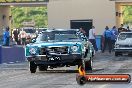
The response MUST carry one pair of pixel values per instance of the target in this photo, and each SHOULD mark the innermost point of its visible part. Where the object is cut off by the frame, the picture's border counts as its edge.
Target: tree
(127, 14)
(21, 14)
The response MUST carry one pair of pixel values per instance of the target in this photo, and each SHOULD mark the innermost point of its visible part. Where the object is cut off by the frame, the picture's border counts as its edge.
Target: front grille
(126, 46)
(58, 50)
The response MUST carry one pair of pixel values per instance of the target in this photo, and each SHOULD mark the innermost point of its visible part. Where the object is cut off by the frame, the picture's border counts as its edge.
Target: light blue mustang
(59, 47)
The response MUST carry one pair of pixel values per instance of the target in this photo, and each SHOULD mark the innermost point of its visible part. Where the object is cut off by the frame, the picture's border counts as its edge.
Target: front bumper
(52, 59)
(125, 50)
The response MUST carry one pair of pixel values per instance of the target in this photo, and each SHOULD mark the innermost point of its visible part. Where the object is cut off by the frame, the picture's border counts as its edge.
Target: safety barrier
(99, 42)
(12, 54)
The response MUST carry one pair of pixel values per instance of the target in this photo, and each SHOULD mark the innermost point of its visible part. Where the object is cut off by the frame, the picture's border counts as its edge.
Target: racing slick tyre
(43, 68)
(33, 67)
(87, 65)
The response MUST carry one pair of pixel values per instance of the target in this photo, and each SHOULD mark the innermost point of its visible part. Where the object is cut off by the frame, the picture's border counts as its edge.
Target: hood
(41, 44)
(127, 41)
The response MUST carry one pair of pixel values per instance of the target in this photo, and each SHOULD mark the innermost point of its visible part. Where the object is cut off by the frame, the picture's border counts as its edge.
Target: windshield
(58, 36)
(123, 36)
(29, 30)
(40, 30)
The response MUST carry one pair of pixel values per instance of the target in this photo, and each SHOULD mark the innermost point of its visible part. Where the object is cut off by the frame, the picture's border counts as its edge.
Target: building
(78, 13)
(6, 18)
(72, 13)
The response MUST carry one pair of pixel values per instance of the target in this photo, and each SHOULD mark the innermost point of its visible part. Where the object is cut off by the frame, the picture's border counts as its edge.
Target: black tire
(87, 65)
(129, 79)
(43, 68)
(33, 67)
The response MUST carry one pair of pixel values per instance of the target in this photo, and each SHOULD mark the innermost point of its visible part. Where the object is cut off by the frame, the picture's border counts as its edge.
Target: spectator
(107, 39)
(22, 36)
(121, 28)
(15, 35)
(6, 37)
(114, 36)
(128, 29)
(92, 37)
(83, 31)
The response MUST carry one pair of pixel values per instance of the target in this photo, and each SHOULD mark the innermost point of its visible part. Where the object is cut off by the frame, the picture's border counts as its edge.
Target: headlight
(32, 50)
(34, 35)
(74, 48)
(117, 46)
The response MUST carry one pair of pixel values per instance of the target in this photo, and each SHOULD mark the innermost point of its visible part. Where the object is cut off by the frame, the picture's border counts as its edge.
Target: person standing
(114, 36)
(128, 29)
(107, 39)
(15, 35)
(82, 30)
(23, 35)
(6, 37)
(122, 29)
(92, 37)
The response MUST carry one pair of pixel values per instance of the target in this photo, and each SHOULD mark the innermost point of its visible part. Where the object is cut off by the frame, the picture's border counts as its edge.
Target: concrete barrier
(12, 54)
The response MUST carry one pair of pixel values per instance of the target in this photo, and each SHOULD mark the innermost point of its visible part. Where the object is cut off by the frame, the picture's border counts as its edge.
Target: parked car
(123, 43)
(58, 48)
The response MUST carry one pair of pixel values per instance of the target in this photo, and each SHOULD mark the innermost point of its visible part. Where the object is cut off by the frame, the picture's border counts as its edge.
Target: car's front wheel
(33, 67)
(88, 65)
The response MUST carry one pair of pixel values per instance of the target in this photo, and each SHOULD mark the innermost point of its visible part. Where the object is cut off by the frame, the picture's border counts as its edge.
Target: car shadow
(59, 71)
(69, 71)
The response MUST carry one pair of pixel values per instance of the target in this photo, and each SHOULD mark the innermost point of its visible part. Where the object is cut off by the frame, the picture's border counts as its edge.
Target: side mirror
(33, 40)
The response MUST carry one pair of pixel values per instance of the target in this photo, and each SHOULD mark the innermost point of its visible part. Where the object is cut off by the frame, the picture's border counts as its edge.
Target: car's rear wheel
(43, 68)
(33, 67)
(87, 65)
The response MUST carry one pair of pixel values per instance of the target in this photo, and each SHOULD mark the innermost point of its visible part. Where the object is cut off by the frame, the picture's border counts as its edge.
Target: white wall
(60, 12)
